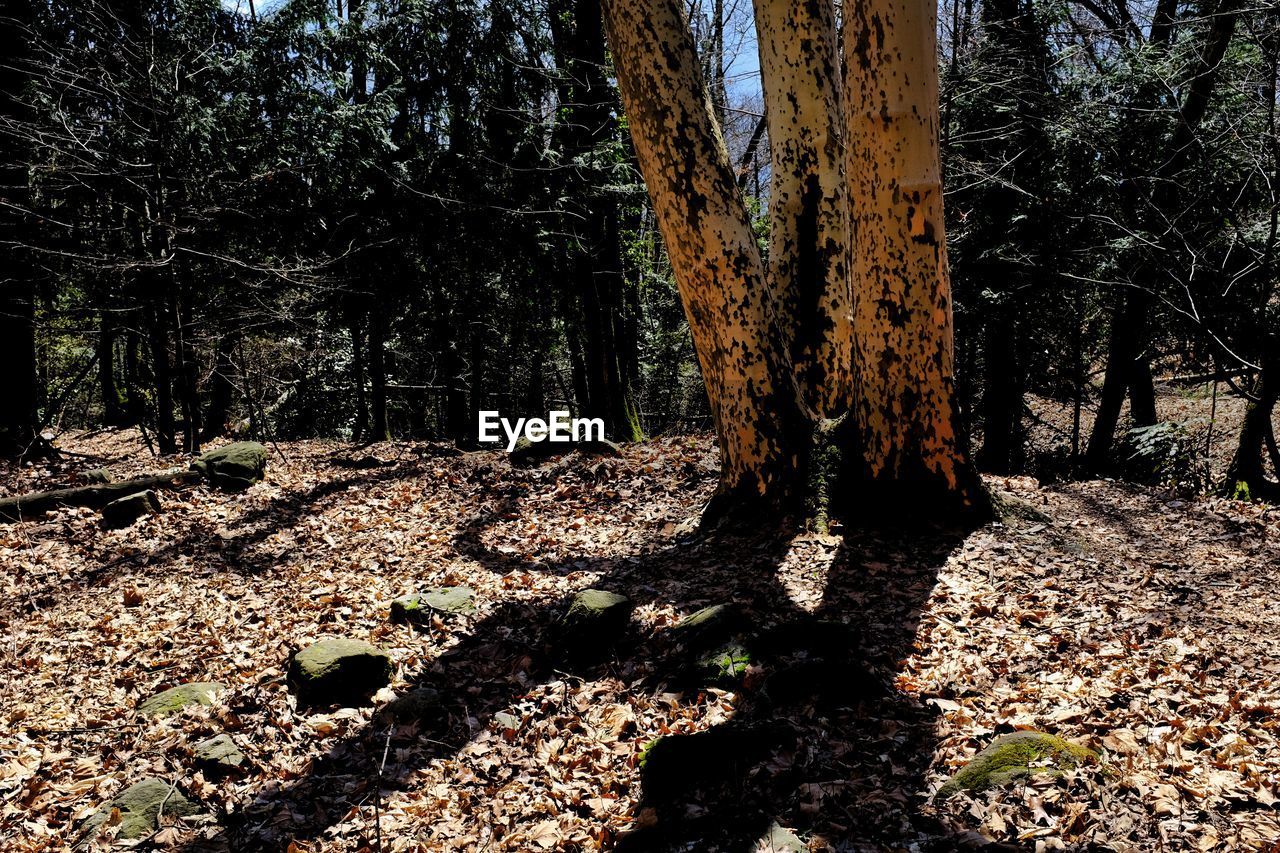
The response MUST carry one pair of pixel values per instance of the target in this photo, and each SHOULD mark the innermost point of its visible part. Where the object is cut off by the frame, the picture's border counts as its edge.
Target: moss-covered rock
(140, 809)
(674, 765)
(339, 671)
(97, 476)
(418, 607)
(234, 466)
(174, 699)
(124, 511)
(1016, 756)
(595, 620)
(219, 756)
(709, 626)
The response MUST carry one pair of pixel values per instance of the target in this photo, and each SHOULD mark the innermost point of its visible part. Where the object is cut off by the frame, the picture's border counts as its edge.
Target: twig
(377, 793)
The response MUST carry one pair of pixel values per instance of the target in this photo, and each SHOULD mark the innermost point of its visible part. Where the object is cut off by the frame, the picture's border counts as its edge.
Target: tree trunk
(712, 248)
(113, 405)
(222, 388)
(808, 274)
(587, 125)
(19, 387)
(378, 376)
(361, 425)
(905, 400)
(1001, 392)
(1247, 466)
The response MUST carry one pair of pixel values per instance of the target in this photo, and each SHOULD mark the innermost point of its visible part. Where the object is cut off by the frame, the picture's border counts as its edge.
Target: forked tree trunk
(778, 351)
(905, 399)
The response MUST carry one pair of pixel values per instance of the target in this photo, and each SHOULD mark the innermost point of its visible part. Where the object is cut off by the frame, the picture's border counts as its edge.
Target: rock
(725, 666)
(124, 511)
(219, 756)
(175, 699)
(596, 619)
(418, 607)
(98, 476)
(339, 671)
(528, 452)
(1016, 756)
(673, 766)
(779, 839)
(709, 626)
(1010, 508)
(417, 704)
(140, 809)
(234, 466)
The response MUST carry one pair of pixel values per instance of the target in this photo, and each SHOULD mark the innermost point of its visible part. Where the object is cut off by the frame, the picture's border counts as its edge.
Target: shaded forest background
(373, 218)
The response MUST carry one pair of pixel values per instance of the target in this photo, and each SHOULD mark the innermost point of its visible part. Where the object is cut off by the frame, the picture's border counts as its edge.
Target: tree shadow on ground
(822, 740)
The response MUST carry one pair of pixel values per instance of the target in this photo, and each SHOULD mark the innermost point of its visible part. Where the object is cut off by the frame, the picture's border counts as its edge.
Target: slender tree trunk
(114, 409)
(905, 400)
(1001, 393)
(378, 376)
(1247, 466)
(222, 387)
(361, 425)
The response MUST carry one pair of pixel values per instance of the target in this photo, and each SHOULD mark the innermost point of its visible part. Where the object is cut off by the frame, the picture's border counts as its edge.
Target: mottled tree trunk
(905, 400)
(717, 265)
(808, 274)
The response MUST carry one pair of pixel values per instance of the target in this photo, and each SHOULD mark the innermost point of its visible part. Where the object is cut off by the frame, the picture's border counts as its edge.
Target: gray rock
(219, 756)
(174, 699)
(418, 607)
(124, 511)
(339, 671)
(233, 467)
(596, 619)
(141, 807)
(98, 476)
(708, 626)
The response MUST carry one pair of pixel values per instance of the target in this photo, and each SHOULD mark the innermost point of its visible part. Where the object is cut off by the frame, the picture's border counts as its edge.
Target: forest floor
(1137, 622)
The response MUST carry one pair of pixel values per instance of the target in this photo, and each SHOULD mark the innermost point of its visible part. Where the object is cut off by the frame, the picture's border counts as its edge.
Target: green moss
(726, 665)
(1241, 491)
(648, 750)
(1016, 756)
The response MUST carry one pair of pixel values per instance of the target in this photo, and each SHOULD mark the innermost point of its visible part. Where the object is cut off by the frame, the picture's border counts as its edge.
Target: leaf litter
(1138, 625)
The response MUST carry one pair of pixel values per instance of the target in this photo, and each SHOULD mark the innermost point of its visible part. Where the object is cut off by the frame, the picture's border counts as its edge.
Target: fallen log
(96, 496)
